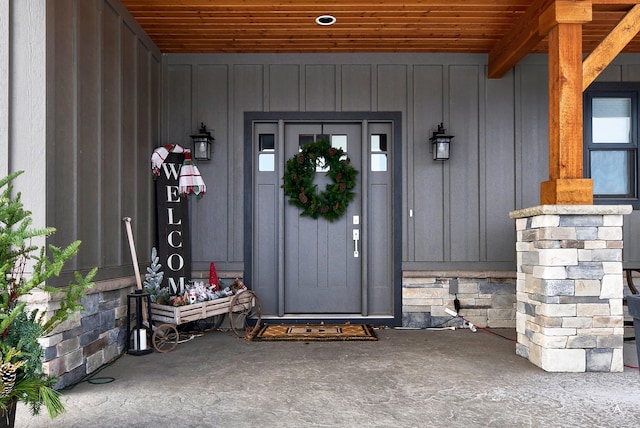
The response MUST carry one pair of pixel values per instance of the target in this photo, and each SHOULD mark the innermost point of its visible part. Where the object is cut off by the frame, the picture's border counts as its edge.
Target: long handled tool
(134, 258)
(132, 247)
(160, 332)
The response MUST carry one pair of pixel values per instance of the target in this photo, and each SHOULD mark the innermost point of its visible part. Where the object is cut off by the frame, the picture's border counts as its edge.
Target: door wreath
(300, 172)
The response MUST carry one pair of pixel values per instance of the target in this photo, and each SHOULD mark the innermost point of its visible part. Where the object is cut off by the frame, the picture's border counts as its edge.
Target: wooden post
(561, 21)
(566, 184)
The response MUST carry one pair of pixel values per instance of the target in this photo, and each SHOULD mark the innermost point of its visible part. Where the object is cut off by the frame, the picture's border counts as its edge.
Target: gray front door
(322, 266)
(305, 268)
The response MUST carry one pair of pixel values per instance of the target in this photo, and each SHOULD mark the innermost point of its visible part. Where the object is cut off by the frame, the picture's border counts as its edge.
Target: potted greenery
(21, 375)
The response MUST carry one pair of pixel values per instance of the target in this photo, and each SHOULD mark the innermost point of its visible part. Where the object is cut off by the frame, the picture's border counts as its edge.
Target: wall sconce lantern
(202, 144)
(441, 143)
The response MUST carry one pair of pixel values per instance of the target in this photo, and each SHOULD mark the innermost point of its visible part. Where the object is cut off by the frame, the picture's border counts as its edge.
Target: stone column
(569, 287)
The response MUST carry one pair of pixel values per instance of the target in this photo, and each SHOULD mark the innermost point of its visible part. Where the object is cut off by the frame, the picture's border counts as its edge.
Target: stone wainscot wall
(487, 299)
(95, 336)
(89, 339)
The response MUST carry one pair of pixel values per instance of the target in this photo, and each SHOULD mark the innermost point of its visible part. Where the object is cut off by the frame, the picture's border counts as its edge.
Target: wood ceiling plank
(327, 5)
(296, 39)
(393, 38)
(175, 18)
(615, 2)
(489, 28)
(236, 46)
(319, 11)
(488, 21)
(423, 37)
(310, 17)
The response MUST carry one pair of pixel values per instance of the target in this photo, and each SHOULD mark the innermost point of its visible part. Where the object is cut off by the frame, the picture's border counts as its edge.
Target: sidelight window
(267, 152)
(378, 152)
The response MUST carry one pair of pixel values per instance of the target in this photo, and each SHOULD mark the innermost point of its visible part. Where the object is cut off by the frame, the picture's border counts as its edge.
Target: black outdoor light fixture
(441, 144)
(202, 143)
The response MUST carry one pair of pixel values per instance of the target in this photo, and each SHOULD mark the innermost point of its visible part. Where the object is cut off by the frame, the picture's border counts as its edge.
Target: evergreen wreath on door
(299, 175)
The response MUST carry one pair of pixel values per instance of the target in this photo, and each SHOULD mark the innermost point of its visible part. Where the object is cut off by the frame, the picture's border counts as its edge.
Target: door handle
(356, 239)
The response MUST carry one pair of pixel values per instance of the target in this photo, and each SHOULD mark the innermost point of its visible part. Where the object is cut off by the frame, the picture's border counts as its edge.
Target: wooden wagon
(241, 308)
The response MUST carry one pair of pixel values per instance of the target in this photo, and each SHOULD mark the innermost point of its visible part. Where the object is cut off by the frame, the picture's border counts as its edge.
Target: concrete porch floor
(408, 378)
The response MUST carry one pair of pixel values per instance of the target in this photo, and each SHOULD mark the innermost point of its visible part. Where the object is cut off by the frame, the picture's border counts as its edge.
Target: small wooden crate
(182, 314)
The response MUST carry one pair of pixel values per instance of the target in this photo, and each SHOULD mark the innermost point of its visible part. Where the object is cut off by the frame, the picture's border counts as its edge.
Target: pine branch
(71, 302)
(20, 328)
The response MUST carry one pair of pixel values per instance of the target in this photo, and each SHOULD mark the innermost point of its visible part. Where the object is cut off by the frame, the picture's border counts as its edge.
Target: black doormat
(312, 332)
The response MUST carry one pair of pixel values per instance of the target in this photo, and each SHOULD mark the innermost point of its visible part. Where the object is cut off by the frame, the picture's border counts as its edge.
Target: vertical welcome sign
(174, 244)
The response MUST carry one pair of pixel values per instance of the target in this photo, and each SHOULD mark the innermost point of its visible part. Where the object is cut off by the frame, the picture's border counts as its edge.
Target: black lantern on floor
(441, 144)
(202, 144)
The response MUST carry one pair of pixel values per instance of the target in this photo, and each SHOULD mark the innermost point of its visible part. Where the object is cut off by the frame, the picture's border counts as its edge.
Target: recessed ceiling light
(326, 20)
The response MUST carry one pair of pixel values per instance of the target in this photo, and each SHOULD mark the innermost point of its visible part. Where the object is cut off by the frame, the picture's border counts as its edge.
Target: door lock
(356, 238)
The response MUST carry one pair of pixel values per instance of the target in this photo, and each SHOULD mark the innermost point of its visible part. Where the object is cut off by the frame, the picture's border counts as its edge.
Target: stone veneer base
(487, 298)
(569, 315)
(93, 337)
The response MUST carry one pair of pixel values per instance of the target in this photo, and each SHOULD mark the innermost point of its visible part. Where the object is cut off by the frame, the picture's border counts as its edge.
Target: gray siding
(532, 131)
(455, 214)
(498, 155)
(105, 116)
(103, 123)
(460, 207)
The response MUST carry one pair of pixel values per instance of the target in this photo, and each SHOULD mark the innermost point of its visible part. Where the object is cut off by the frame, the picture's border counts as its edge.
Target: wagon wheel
(165, 338)
(245, 306)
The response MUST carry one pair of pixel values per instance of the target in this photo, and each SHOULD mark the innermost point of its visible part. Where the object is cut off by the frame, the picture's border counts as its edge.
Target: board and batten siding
(83, 117)
(454, 213)
(103, 104)
(110, 100)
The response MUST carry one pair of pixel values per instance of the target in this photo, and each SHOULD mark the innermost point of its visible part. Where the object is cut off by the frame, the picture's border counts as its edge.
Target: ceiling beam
(518, 42)
(531, 28)
(534, 25)
(611, 46)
